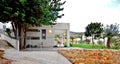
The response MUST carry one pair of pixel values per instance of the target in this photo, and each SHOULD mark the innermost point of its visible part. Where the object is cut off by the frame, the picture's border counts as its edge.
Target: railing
(13, 42)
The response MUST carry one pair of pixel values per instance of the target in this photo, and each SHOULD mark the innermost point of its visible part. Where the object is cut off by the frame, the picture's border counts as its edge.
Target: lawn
(88, 46)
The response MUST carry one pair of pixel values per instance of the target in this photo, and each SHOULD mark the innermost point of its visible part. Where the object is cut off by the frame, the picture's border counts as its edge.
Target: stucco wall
(49, 41)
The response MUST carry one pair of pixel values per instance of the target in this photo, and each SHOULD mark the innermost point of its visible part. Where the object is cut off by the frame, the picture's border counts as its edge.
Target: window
(33, 38)
(43, 33)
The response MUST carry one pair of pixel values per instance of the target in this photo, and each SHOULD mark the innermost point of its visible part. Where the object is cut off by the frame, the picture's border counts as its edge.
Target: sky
(80, 13)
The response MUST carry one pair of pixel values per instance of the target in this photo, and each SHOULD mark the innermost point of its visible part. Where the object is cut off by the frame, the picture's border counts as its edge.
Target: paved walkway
(33, 57)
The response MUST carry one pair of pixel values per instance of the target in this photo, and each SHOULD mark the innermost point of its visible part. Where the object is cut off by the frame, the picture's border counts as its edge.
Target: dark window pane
(43, 33)
(33, 38)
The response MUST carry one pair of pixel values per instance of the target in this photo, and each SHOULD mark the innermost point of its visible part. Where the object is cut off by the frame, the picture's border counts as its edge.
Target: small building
(45, 35)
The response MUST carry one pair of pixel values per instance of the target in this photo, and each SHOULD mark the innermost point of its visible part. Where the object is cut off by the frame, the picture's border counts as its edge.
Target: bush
(100, 42)
(29, 46)
(35, 46)
(65, 45)
(88, 41)
(55, 46)
(8, 31)
(116, 43)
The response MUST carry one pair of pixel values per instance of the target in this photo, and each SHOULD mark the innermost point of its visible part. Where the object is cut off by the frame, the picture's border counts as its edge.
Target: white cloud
(79, 13)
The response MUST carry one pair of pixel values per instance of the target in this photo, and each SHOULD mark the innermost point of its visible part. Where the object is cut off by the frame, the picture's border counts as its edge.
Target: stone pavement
(33, 57)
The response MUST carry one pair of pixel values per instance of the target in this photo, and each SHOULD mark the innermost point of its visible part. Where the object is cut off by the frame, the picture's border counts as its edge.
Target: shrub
(55, 46)
(87, 40)
(35, 46)
(28, 46)
(100, 42)
(65, 45)
(116, 43)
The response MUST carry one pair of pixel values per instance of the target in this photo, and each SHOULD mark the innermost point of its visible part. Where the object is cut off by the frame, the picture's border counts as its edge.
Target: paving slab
(35, 57)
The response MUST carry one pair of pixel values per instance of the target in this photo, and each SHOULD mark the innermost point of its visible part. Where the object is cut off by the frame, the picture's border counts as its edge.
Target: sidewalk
(35, 57)
(32, 57)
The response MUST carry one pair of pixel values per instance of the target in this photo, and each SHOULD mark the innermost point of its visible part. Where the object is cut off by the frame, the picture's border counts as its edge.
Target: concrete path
(33, 57)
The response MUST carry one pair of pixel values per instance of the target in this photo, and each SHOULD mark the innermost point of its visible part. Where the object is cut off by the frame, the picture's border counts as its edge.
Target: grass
(88, 46)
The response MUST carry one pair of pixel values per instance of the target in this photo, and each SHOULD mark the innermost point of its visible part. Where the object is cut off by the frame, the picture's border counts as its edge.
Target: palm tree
(110, 31)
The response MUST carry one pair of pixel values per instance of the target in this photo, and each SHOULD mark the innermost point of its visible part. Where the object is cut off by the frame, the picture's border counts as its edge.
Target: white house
(45, 35)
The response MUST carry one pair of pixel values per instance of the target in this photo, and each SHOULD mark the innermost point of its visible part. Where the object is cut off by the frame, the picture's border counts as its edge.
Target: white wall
(13, 42)
(1, 25)
(8, 25)
(49, 41)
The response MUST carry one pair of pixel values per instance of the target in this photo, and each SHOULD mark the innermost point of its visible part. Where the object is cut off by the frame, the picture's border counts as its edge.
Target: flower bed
(77, 56)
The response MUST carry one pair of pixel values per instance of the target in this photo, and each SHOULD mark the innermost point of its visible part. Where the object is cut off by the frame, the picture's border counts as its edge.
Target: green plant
(35, 46)
(55, 46)
(8, 31)
(28, 46)
(100, 42)
(65, 45)
(89, 46)
(116, 46)
(88, 41)
(116, 43)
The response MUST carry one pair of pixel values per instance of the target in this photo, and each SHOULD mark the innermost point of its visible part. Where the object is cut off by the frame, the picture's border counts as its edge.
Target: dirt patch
(76, 56)
(5, 61)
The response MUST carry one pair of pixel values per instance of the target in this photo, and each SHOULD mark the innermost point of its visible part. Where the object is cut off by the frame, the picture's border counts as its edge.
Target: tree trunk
(93, 39)
(14, 30)
(20, 35)
(108, 42)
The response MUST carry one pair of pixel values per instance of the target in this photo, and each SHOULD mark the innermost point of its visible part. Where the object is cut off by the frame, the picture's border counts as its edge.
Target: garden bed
(77, 56)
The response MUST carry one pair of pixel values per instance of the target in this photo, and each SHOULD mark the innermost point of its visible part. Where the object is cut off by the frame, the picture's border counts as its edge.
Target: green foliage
(26, 13)
(111, 30)
(100, 42)
(115, 43)
(55, 46)
(116, 46)
(94, 28)
(88, 46)
(33, 12)
(87, 40)
(8, 31)
(57, 35)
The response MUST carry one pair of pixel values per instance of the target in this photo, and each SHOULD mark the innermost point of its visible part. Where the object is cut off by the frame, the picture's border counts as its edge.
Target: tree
(110, 31)
(25, 13)
(94, 30)
(72, 38)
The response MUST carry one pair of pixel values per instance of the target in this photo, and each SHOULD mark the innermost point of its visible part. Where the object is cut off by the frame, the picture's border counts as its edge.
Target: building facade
(45, 36)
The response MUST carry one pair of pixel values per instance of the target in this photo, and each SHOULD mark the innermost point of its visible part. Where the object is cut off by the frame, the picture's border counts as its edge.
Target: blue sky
(79, 13)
